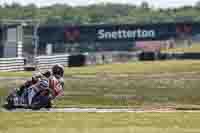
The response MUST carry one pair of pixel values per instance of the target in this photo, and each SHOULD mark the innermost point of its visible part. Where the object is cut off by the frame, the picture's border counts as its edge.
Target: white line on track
(91, 110)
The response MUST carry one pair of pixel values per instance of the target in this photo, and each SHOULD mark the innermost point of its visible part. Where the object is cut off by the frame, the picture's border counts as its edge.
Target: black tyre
(10, 103)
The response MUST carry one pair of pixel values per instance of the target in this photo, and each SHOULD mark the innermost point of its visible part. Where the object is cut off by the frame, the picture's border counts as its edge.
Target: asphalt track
(96, 110)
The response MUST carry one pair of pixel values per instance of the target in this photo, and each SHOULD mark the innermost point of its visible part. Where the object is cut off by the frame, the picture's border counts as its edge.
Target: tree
(145, 5)
(98, 13)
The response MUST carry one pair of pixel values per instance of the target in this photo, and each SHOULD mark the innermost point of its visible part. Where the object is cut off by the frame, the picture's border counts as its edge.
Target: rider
(56, 82)
(36, 88)
(54, 79)
(35, 78)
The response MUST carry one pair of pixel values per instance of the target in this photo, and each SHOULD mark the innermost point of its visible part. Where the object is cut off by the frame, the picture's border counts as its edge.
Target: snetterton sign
(131, 32)
(125, 34)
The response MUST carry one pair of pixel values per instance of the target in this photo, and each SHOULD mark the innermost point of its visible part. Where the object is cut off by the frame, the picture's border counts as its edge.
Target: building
(14, 37)
(11, 40)
(124, 37)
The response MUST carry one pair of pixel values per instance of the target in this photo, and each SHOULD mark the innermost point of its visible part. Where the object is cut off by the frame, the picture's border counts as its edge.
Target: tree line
(100, 13)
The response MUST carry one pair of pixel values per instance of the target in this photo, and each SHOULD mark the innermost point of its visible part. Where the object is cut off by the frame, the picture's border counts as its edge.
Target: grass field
(15, 74)
(137, 67)
(136, 84)
(195, 48)
(100, 122)
(129, 84)
(129, 92)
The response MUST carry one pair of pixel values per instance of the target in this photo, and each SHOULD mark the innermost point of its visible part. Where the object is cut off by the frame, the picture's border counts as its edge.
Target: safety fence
(46, 62)
(41, 62)
(168, 56)
(12, 64)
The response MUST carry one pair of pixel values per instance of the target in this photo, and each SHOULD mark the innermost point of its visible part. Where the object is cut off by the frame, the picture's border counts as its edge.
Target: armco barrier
(191, 56)
(77, 60)
(148, 56)
(46, 62)
(12, 64)
(181, 56)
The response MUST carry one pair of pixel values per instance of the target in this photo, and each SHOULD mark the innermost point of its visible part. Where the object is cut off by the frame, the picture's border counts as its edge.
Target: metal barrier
(46, 62)
(12, 64)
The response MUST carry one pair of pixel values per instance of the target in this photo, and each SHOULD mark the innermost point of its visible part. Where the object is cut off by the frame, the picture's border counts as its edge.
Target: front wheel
(10, 103)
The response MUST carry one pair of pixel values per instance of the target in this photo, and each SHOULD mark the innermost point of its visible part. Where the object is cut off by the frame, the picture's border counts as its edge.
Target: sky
(153, 3)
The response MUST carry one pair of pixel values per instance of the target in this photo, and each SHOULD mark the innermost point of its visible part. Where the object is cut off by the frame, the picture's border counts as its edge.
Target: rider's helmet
(36, 77)
(58, 71)
(46, 73)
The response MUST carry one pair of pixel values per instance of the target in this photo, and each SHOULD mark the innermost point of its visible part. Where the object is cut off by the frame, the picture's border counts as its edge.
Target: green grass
(15, 74)
(100, 122)
(154, 67)
(126, 91)
(137, 67)
(193, 49)
(145, 83)
(130, 92)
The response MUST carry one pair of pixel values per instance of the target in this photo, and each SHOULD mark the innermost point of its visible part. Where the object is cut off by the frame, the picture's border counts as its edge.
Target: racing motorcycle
(15, 99)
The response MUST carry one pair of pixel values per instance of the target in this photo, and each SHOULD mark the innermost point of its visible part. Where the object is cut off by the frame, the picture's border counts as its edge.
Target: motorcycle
(16, 100)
